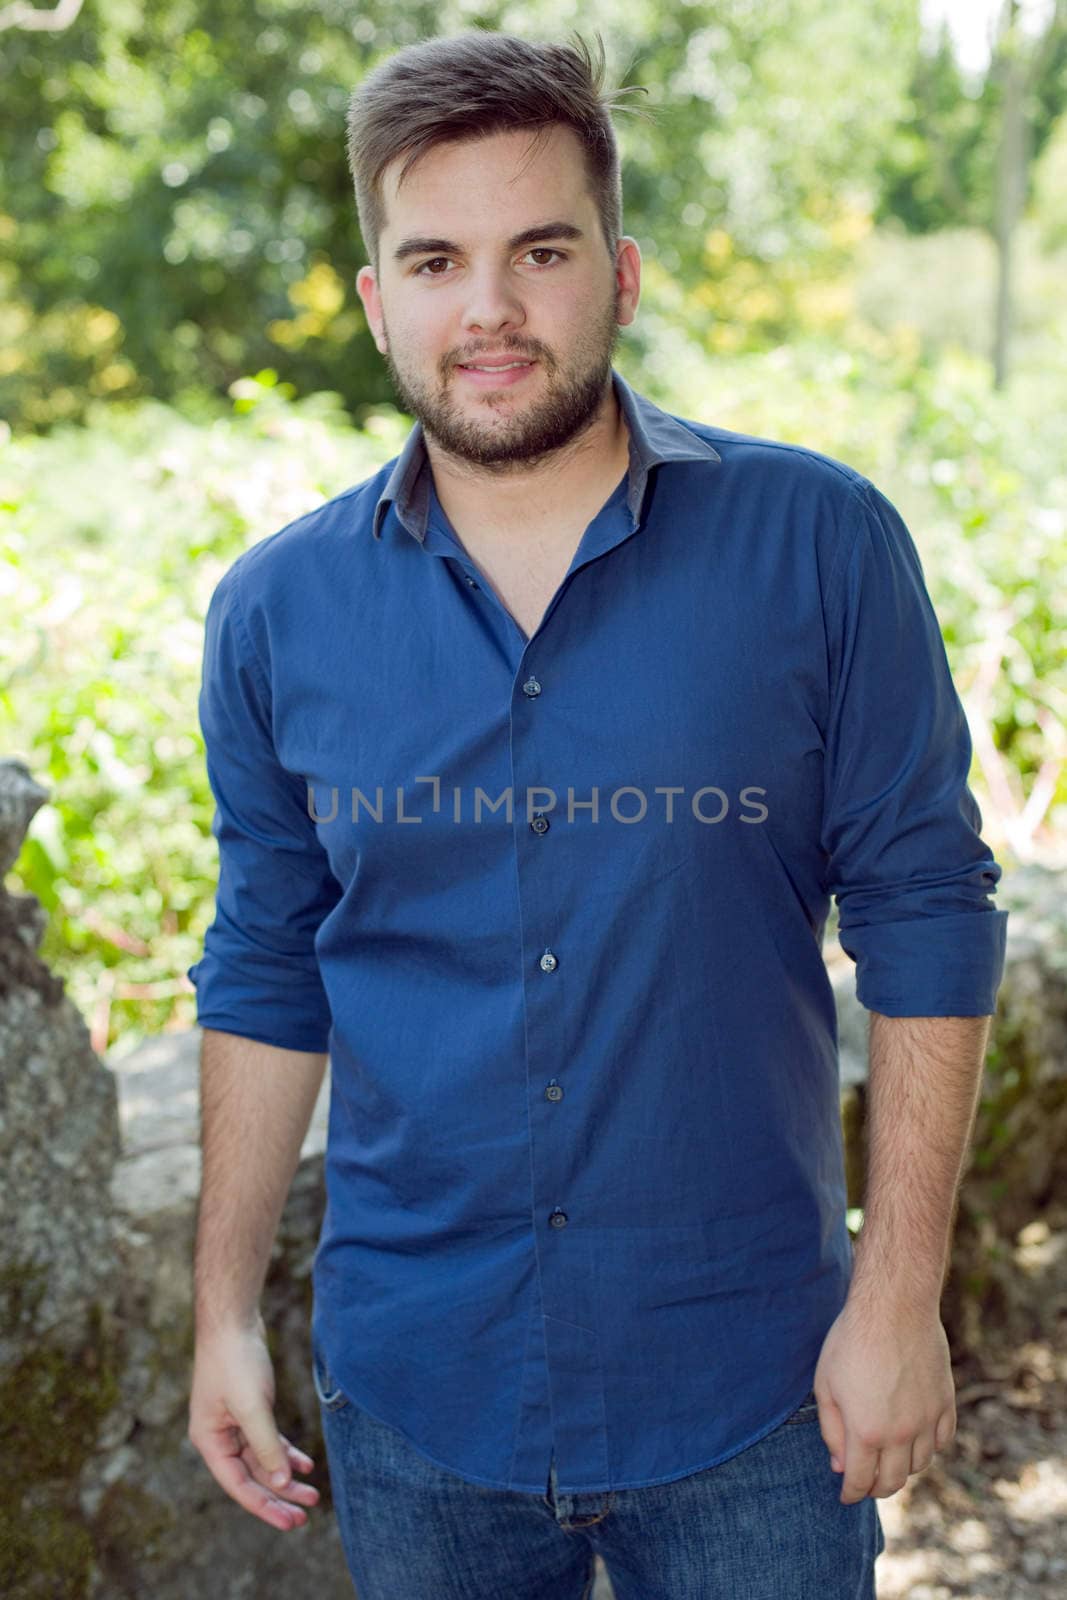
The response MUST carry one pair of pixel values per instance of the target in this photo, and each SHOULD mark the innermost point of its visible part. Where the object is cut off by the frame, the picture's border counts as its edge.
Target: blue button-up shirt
(555, 906)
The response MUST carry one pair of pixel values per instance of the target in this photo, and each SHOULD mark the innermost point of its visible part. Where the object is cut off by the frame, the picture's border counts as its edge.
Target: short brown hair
(472, 84)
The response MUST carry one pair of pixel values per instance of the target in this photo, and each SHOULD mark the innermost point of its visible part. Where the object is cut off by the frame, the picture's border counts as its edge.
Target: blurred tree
(176, 209)
(1026, 69)
(967, 152)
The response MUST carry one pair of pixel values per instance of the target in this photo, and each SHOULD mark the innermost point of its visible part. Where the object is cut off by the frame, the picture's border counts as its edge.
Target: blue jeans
(767, 1524)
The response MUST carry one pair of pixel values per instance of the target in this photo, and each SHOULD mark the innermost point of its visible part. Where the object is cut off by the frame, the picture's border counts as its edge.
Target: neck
(574, 480)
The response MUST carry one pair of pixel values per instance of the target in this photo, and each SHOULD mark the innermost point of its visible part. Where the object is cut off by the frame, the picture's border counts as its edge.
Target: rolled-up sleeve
(901, 829)
(258, 976)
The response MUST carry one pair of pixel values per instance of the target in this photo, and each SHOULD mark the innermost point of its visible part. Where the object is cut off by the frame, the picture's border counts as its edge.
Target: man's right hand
(231, 1423)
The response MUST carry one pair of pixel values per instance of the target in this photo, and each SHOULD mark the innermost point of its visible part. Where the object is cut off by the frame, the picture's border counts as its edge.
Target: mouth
(502, 375)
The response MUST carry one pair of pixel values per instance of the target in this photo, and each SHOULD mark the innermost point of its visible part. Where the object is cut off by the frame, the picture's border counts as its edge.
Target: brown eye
(537, 250)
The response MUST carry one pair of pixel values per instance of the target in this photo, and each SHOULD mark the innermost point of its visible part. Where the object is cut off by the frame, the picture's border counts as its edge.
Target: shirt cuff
(287, 1014)
(930, 966)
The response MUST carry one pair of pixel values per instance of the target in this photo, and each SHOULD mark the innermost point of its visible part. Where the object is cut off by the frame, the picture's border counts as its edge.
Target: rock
(1016, 1165)
(59, 1138)
(102, 1495)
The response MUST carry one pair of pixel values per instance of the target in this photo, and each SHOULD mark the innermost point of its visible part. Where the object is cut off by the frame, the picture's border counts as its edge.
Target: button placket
(548, 961)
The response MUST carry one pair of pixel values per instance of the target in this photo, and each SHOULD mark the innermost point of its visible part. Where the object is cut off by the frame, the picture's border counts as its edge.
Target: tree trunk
(1011, 182)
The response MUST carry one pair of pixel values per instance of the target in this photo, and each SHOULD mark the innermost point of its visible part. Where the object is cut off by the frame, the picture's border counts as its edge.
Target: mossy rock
(131, 1529)
(52, 1403)
(46, 1549)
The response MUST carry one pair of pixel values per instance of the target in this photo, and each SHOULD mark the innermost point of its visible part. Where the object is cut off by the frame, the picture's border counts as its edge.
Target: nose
(493, 303)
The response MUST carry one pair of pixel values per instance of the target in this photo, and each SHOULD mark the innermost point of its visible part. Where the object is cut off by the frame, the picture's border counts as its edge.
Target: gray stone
(102, 1494)
(59, 1138)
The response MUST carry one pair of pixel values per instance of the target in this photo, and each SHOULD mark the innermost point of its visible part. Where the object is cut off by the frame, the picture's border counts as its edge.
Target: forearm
(256, 1102)
(924, 1084)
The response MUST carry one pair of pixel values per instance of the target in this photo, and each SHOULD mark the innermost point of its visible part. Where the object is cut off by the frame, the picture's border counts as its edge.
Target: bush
(115, 535)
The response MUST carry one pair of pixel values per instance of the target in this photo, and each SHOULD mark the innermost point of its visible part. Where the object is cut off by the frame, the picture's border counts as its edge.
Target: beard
(495, 429)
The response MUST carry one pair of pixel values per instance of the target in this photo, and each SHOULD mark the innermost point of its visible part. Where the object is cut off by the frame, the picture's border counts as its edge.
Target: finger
(945, 1431)
(230, 1472)
(923, 1451)
(294, 1491)
(861, 1469)
(303, 1461)
(894, 1465)
(832, 1428)
(299, 1460)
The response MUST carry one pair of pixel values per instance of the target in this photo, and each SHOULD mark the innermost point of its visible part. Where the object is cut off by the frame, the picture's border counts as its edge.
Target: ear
(368, 291)
(627, 279)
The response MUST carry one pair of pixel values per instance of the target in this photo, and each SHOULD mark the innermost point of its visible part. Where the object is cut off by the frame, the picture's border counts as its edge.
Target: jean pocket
(807, 1411)
(330, 1397)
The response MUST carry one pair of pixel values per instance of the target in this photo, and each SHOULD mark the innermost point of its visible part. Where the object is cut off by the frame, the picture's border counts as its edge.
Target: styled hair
(476, 83)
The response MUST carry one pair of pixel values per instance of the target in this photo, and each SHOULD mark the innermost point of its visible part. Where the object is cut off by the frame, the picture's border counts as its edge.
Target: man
(537, 757)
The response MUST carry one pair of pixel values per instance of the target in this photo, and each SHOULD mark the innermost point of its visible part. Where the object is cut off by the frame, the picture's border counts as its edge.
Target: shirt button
(554, 1092)
(472, 583)
(539, 824)
(558, 1219)
(531, 688)
(548, 962)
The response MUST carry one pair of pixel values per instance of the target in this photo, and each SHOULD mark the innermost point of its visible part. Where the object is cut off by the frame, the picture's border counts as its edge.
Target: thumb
(267, 1445)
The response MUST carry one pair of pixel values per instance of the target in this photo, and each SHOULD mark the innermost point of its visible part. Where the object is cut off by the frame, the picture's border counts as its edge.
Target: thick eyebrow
(445, 247)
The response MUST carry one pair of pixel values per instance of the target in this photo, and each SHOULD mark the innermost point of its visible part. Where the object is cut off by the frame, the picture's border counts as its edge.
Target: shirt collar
(655, 436)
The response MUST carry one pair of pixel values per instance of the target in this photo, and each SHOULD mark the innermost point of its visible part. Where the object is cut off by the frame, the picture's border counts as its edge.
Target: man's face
(552, 300)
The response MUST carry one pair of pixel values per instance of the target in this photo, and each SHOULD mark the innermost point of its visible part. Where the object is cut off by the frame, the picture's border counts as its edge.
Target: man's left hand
(887, 1401)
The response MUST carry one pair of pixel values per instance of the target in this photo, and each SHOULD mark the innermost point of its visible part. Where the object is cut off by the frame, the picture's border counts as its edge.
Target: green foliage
(115, 535)
(189, 160)
(940, 168)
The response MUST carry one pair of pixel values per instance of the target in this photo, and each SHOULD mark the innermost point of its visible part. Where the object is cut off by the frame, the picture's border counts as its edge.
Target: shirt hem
(596, 1488)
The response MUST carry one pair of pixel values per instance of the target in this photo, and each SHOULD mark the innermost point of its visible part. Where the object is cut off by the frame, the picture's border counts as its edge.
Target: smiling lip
(499, 373)
(499, 361)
